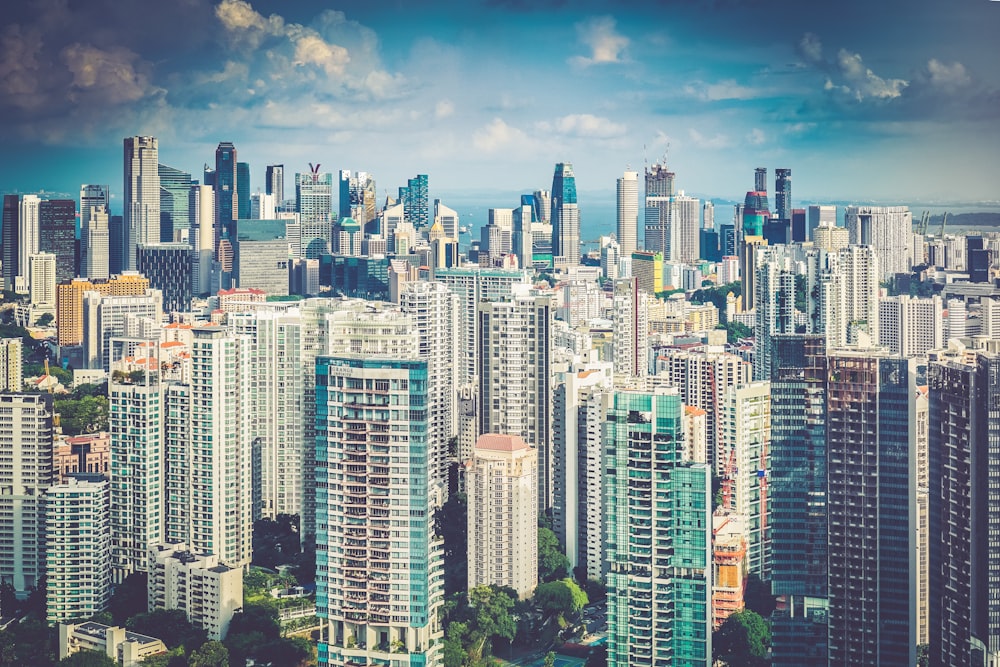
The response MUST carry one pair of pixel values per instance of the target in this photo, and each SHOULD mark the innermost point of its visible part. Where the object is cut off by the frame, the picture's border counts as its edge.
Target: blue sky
(862, 100)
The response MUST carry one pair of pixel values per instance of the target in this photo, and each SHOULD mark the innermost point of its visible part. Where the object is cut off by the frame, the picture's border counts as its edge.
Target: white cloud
(311, 49)
(862, 82)
(495, 135)
(116, 73)
(947, 76)
(244, 22)
(606, 45)
(587, 125)
(756, 137)
(811, 47)
(701, 141)
(443, 109)
(728, 89)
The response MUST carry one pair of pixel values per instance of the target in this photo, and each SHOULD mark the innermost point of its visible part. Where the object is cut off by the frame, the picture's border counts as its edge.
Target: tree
(560, 597)
(923, 659)
(174, 658)
(276, 541)
(757, 596)
(83, 415)
(293, 652)
(44, 320)
(87, 659)
(552, 562)
(492, 608)
(169, 625)
(742, 640)
(257, 617)
(550, 660)
(129, 598)
(737, 331)
(209, 654)
(450, 522)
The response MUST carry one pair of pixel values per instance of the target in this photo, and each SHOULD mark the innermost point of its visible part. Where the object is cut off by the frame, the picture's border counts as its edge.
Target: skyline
(892, 102)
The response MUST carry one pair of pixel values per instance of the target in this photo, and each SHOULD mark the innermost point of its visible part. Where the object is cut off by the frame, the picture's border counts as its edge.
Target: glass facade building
(658, 522)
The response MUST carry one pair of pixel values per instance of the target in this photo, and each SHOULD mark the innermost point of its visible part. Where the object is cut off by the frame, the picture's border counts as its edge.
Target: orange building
(729, 564)
(69, 300)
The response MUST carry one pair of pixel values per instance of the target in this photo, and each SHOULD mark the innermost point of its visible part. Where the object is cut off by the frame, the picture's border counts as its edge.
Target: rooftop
(501, 443)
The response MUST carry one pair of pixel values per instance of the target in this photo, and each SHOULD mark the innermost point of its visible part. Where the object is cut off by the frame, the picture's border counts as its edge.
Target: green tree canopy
(492, 612)
(742, 640)
(450, 522)
(560, 597)
(758, 596)
(169, 625)
(87, 414)
(256, 617)
(209, 654)
(552, 562)
(172, 658)
(88, 659)
(550, 659)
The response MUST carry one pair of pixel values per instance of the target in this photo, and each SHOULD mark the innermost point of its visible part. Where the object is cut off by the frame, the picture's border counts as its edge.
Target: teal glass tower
(658, 522)
(565, 215)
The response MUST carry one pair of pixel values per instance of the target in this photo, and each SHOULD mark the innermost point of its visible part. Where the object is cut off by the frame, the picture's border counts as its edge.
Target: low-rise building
(196, 583)
(128, 649)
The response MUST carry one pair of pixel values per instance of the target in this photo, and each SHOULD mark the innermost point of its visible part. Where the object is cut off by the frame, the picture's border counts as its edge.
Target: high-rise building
(11, 240)
(26, 442)
(175, 205)
(630, 335)
(106, 317)
(209, 449)
(671, 226)
(829, 237)
(755, 212)
(141, 196)
(42, 279)
(783, 193)
(963, 459)
(628, 212)
(117, 245)
(136, 419)
(28, 238)
(746, 435)
(911, 326)
(659, 180)
(541, 207)
(818, 215)
(314, 202)
(581, 401)
(93, 195)
(208, 592)
(871, 507)
(888, 230)
(77, 548)
(274, 183)
(661, 565)
(565, 215)
(502, 487)
(760, 179)
(434, 310)
(226, 181)
(57, 235)
(416, 202)
(168, 267)
(95, 243)
(69, 297)
(515, 333)
(358, 198)
(243, 190)
(379, 585)
(798, 491)
(11, 364)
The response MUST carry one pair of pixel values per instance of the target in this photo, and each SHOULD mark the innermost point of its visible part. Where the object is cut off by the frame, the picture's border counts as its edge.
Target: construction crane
(924, 220)
(48, 380)
(729, 480)
(944, 221)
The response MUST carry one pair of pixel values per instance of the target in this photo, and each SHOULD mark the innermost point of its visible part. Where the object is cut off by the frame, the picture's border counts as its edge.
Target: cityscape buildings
(141, 196)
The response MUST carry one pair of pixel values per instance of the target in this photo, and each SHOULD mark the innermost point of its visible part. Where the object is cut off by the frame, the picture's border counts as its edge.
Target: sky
(864, 101)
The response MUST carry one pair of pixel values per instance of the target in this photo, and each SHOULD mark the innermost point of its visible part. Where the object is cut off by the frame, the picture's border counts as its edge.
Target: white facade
(817, 216)
(502, 487)
(911, 326)
(78, 549)
(141, 195)
(262, 206)
(107, 316)
(887, 229)
(95, 244)
(42, 283)
(957, 324)
(26, 444)
(630, 334)
(29, 230)
(628, 213)
(11, 364)
(448, 219)
(197, 584)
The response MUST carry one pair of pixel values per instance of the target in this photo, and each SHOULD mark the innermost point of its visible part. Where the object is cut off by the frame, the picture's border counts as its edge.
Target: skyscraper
(26, 442)
(28, 236)
(175, 200)
(630, 337)
(888, 230)
(783, 193)
(11, 240)
(57, 235)
(274, 183)
(94, 195)
(659, 180)
(963, 459)
(515, 333)
(760, 179)
(416, 202)
(817, 216)
(565, 215)
(502, 487)
(226, 198)
(628, 212)
(798, 491)
(243, 190)
(141, 196)
(871, 505)
(659, 565)
(95, 244)
(379, 584)
(314, 201)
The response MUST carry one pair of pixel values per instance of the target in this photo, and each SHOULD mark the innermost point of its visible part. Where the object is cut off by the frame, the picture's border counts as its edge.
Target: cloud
(722, 90)
(496, 135)
(243, 22)
(20, 68)
(947, 76)
(443, 109)
(862, 82)
(587, 125)
(116, 75)
(810, 47)
(606, 45)
(313, 50)
(756, 137)
(701, 141)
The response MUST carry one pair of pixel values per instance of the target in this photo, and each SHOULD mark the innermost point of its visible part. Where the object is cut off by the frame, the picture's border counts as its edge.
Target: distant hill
(965, 220)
